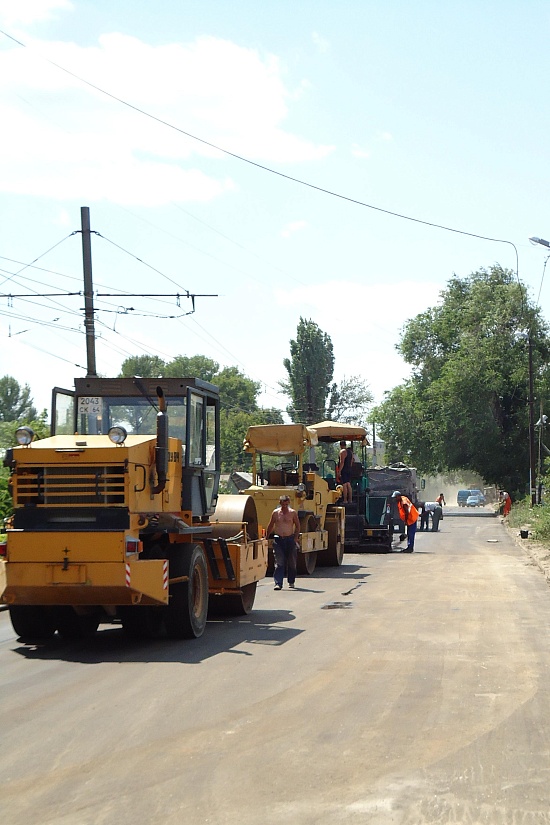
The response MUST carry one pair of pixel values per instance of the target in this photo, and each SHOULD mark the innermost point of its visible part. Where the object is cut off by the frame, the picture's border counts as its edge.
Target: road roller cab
(117, 515)
(321, 519)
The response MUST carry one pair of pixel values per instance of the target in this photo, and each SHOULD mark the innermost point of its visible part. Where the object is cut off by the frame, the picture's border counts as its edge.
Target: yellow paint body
(322, 521)
(66, 480)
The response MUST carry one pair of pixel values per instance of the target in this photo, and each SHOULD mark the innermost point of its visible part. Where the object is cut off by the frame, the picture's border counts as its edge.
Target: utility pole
(309, 400)
(89, 324)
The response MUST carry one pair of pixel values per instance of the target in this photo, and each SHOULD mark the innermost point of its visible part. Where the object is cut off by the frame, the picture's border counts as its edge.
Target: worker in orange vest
(409, 516)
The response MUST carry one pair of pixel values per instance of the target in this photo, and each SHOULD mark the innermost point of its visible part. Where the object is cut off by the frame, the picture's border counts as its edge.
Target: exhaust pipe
(161, 450)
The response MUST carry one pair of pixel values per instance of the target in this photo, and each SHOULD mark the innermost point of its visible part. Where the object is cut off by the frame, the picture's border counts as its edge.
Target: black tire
(270, 561)
(333, 556)
(33, 623)
(234, 605)
(142, 621)
(307, 562)
(71, 625)
(187, 609)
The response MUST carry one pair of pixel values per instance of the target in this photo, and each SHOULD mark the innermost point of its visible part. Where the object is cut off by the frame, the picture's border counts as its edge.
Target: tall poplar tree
(310, 370)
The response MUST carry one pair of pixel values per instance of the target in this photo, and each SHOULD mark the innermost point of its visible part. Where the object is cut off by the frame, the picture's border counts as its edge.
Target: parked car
(462, 497)
(473, 501)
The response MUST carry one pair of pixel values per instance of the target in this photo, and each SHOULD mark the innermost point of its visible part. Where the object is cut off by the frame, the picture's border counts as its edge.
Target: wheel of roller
(333, 556)
(307, 561)
(239, 604)
(230, 513)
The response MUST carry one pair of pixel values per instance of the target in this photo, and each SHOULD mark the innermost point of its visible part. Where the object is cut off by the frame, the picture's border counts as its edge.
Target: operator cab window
(136, 415)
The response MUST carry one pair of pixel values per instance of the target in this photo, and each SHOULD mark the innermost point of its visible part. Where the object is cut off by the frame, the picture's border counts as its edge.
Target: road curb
(538, 553)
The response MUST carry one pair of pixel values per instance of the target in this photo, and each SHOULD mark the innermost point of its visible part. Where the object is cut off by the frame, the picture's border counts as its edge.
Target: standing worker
(409, 516)
(427, 510)
(286, 526)
(344, 465)
(437, 515)
(441, 500)
(424, 515)
(507, 504)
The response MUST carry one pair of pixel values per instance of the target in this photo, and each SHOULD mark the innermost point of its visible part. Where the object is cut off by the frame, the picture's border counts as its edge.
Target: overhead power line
(265, 168)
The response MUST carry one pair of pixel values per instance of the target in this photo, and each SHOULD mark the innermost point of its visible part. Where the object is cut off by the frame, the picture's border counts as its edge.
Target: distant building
(239, 481)
(377, 454)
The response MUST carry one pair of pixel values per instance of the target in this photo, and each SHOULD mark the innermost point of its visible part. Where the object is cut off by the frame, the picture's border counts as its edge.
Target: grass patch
(535, 519)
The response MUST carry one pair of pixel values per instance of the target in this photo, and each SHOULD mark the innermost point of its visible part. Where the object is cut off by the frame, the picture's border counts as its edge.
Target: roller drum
(230, 513)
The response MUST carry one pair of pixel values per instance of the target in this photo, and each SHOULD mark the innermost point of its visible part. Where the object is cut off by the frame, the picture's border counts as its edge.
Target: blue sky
(436, 111)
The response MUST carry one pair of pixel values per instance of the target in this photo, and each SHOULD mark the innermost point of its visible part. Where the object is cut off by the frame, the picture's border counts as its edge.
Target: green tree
(465, 403)
(310, 370)
(194, 366)
(38, 424)
(237, 392)
(6, 508)
(15, 401)
(350, 401)
(145, 366)
(233, 427)
(238, 398)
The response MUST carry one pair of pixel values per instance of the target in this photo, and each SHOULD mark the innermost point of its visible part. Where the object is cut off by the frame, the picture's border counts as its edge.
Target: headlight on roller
(24, 436)
(117, 435)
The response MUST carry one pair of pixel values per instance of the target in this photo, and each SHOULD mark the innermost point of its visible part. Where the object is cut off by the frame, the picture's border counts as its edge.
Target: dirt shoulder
(539, 553)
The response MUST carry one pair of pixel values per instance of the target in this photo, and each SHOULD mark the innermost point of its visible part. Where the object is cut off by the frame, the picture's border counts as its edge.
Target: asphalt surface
(399, 688)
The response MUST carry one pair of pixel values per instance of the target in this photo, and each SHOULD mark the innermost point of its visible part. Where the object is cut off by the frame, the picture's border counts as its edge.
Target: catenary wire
(268, 169)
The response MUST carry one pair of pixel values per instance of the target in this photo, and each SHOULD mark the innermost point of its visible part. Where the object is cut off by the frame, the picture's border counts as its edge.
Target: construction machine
(368, 524)
(322, 520)
(117, 515)
(383, 481)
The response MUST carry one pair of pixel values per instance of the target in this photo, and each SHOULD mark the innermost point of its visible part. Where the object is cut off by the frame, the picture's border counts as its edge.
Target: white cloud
(25, 12)
(231, 96)
(358, 152)
(363, 332)
(291, 228)
(322, 43)
(374, 298)
(63, 219)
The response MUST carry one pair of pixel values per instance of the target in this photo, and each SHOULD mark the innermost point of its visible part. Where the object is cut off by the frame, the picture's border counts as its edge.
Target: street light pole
(541, 241)
(532, 459)
(532, 454)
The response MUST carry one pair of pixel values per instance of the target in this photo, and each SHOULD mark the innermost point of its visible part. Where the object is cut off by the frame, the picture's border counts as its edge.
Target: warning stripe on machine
(164, 575)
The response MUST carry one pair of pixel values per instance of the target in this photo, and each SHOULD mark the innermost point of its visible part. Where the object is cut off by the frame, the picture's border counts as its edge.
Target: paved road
(408, 689)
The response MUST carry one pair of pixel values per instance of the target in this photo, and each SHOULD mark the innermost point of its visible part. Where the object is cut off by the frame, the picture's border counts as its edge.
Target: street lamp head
(540, 241)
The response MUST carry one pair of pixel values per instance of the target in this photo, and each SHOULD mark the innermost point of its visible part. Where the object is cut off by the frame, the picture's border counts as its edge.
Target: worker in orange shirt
(409, 516)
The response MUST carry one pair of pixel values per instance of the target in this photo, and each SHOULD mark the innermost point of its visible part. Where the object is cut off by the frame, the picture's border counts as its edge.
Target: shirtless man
(286, 526)
(345, 460)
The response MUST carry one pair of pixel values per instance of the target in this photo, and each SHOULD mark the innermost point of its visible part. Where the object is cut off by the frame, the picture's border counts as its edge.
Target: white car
(473, 501)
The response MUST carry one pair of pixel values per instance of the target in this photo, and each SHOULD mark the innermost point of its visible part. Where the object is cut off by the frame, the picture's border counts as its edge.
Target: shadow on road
(261, 627)
(222, 634)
